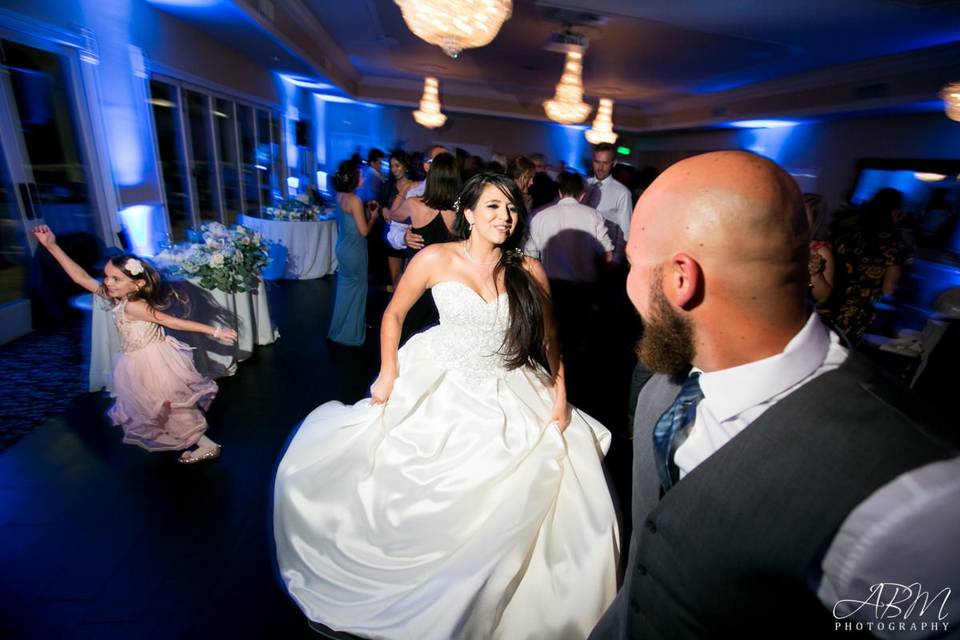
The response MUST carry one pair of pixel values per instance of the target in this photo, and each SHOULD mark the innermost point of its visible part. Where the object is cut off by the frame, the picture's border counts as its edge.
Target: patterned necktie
(674, 420)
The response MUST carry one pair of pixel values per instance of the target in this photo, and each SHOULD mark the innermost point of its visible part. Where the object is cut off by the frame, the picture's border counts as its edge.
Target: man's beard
(666, 345)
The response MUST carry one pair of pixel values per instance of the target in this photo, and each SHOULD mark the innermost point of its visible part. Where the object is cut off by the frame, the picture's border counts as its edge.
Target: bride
(465, 498)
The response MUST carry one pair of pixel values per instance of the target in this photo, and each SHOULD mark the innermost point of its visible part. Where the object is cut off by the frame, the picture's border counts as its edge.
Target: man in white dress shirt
(571, 241)
(611, 198)
(570, 238)
(782, 486)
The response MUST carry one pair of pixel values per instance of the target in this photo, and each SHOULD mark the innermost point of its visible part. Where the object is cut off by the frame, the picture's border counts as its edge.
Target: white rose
(216, 260)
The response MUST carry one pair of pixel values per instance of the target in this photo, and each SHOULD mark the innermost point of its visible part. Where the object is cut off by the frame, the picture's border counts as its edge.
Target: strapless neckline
(471, 290)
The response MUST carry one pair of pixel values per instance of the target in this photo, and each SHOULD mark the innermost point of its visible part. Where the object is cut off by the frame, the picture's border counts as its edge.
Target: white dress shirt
(735, 397)
(905, 532)
(568, 238)
(615, 204)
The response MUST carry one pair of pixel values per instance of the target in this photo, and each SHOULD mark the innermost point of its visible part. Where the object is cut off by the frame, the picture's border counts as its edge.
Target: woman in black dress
(431, 216)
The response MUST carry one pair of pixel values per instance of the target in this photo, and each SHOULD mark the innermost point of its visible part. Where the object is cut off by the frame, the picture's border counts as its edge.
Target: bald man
(760, 438)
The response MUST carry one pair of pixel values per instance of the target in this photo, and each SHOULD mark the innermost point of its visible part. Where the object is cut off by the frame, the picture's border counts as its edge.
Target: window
(225, 121)
(248, 160)
(219, 157)
(164, 98)
(202, 169)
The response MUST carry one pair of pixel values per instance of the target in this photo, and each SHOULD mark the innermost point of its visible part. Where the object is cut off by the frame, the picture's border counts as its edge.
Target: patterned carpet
(39, 375)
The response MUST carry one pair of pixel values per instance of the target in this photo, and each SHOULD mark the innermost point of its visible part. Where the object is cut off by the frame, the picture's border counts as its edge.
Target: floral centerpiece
(299, 208)
(229, 259)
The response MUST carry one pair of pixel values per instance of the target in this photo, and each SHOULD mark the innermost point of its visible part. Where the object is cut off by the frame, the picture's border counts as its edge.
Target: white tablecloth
(248, 313)
(310, 244)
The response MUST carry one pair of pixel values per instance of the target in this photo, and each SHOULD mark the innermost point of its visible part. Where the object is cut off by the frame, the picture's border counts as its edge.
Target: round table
(310, 243)
(247, 312)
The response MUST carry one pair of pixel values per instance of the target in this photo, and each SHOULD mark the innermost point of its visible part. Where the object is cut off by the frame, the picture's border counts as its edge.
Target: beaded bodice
(471, 330)
(135, 334)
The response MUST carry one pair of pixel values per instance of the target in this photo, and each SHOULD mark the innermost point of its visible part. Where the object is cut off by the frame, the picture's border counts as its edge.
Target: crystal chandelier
(951, 100)
(602, 130)
(567, 106)
(428, 115)
(454, 25)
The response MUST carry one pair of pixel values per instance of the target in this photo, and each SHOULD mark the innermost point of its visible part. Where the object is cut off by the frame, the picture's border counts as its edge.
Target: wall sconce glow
(762, 124)
(428, 115)
(951, 100)
(602, 130)
(929, 177)
(137, 222)
(260, 167)
(161, 102)
(293, 182)
(220, 114)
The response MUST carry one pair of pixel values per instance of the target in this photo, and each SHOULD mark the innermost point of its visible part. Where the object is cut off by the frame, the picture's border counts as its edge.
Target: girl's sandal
(196, 456)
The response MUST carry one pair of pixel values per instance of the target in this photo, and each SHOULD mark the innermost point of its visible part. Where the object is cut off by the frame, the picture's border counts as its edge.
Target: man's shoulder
(619, 186)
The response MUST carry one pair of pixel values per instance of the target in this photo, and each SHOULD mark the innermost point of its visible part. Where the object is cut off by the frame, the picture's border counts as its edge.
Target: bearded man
(777, 476)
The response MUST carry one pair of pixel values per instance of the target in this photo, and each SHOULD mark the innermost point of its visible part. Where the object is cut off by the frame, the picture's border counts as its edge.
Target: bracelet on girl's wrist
(216, 333)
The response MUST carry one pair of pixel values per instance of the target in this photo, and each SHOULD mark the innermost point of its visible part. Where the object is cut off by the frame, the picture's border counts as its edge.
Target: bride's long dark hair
(523, 344)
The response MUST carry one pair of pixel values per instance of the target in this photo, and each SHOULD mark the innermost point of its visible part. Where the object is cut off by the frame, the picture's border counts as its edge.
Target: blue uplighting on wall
(138, 225)
(187, 3)
(568, 144)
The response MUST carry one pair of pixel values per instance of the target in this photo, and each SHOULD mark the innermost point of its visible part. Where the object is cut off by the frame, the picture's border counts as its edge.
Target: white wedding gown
(453, 511)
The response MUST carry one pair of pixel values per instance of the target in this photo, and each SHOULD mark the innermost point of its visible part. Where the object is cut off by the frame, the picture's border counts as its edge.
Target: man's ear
(684, 285)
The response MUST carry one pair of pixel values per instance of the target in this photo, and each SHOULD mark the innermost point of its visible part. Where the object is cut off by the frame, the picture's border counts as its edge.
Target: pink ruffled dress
(160, 395)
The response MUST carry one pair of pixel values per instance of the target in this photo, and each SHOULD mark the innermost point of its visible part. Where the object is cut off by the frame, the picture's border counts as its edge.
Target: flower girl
(159, 393)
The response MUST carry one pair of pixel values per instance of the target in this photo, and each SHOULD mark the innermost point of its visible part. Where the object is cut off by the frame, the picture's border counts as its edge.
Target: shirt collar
(567, 200)
(732, 391)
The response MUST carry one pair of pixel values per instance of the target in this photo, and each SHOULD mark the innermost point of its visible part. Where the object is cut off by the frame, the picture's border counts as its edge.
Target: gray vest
(734, 549)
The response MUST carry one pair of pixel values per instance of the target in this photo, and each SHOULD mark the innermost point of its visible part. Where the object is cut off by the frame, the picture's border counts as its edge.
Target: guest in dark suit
(777, 477)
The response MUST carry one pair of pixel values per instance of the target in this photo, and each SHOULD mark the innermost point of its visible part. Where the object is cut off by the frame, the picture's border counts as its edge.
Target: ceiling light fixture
(602, 130)
(455, 25)
(428, 115)
(951, 100)
(567, 106)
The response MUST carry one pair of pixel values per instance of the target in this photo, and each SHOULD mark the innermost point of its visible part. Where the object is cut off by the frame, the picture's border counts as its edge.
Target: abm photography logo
(892, 607)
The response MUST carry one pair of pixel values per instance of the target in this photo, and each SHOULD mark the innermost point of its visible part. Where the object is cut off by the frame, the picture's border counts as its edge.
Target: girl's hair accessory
(133, 266)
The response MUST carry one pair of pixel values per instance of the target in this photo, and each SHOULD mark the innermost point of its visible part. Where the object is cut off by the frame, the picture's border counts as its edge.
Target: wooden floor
(102, 540)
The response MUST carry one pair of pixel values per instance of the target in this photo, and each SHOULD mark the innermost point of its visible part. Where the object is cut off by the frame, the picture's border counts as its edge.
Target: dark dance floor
(103, 540)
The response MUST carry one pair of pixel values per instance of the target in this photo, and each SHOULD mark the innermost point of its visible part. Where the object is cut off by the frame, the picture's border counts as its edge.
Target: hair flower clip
(456, 204)
(133, 266)
(515, 253)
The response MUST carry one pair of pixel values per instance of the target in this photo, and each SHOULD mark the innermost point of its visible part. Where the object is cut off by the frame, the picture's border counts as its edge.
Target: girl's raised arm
(140, 310)
(76, 272)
